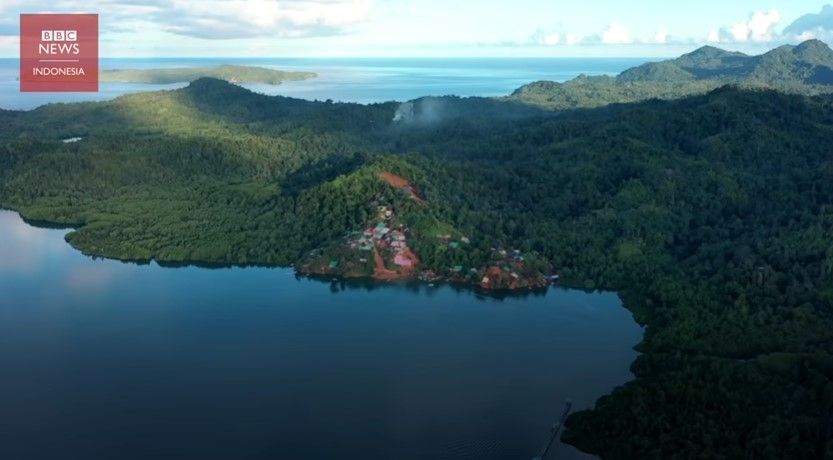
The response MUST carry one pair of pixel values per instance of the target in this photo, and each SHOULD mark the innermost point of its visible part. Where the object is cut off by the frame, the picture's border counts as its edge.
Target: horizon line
(370, 57)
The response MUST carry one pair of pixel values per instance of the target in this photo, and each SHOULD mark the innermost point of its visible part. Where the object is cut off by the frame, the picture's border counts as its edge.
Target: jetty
(556, 428)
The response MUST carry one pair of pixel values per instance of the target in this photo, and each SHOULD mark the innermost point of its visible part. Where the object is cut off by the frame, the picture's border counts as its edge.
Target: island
(227, 72)
(710, 214)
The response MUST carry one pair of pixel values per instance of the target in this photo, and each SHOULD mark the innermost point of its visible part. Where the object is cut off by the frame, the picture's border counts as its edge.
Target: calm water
(102, 359)
(348, 80)
(106, 360)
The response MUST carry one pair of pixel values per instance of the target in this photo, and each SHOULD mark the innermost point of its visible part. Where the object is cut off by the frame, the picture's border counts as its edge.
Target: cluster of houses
(505, 269)
(381, 245)
(385, 234)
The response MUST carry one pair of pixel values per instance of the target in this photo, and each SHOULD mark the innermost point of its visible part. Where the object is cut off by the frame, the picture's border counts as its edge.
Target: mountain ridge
(806, 68)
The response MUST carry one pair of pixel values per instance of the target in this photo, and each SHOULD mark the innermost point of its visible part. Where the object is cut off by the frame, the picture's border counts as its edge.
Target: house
(381, 230)
(403, 261)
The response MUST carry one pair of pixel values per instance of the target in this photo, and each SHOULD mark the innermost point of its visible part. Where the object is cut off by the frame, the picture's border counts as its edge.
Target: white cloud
(762, 25)
(250, 18)
(572, 38)
(547, 38)
(615, 34)
(759, 28)
(740, 32)
(551, 39)
(809, 26)
(661, 36)
(556, 36)
(818, 33)
(210, 18)
(714, 36)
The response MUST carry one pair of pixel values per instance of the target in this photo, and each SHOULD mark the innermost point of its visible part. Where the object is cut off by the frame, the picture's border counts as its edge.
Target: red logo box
(58, 52)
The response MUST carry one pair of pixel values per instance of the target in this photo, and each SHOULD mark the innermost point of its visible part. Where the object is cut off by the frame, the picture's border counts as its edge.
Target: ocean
(365, 80)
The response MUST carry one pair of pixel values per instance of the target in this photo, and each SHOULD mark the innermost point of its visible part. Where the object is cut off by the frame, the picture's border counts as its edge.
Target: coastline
(297, 269)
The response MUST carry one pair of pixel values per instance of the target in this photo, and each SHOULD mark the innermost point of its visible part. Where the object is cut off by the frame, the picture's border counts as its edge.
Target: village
(381, 251)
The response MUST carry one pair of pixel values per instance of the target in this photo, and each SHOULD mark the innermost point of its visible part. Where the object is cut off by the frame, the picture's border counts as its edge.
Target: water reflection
(25, 249)
(90, 278)
(338, 285)
(104, 359)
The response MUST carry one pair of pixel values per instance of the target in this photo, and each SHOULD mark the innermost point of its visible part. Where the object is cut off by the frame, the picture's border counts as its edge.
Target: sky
(432, 28)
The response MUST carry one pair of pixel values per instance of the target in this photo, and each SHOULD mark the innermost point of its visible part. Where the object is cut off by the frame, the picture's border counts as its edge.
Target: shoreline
(324, 277)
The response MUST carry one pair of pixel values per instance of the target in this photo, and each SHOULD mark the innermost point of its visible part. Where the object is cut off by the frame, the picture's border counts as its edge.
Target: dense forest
(710, 215)
(803, 69)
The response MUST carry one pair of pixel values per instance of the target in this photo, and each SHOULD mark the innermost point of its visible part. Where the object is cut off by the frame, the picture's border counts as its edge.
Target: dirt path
(411, 256)
(381, 272)
(402, 184)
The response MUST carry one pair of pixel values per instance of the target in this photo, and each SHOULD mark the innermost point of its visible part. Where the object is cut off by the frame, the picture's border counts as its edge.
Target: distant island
(803, 69)
(227, 72)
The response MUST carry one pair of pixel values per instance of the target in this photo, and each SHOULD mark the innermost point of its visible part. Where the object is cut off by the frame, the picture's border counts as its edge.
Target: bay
(104, 359)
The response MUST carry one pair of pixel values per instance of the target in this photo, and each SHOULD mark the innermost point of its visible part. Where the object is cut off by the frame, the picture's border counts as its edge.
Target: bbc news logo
(59, 35)
(57, 42)
(58, 52)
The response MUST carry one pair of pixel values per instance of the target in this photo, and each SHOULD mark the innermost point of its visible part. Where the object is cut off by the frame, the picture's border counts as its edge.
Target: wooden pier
(556, 428)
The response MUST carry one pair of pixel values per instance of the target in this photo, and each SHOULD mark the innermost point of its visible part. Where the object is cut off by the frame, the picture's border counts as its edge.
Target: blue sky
(402, 28)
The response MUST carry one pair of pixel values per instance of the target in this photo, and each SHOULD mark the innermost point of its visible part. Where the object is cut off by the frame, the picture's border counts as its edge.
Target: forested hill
(710, 215)
(804, 69)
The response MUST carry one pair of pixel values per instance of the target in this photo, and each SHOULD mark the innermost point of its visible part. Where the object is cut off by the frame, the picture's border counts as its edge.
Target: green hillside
(804, 69)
